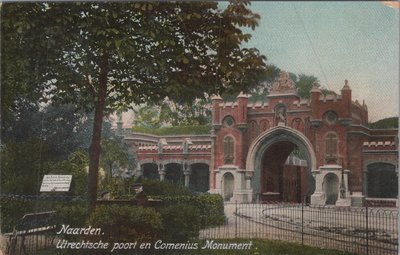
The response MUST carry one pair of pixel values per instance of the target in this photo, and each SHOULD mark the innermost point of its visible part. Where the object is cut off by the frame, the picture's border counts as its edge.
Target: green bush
(127, 223)
(386, 123)
(12, 210)
(181, 223)
(209, 206)
(159, 188)
(74, 214)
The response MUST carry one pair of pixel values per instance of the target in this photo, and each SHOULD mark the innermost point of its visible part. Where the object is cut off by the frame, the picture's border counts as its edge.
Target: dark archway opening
(382, 180)
(228, 183)
(280, 180)
(331, 188)
(174, 174)
(199, 177)
(150, 171)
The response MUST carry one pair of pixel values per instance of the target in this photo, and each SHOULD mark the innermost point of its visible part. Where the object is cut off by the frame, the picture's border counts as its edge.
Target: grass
(259, 247)
(175, 130)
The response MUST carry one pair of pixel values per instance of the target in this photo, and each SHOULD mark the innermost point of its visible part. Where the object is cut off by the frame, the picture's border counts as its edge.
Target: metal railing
(35, 230)
(361, 230)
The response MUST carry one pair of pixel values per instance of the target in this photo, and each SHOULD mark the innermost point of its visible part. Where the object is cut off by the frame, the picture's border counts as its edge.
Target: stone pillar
(161, 171)
(187, 171)
(346, 200)
(139, 170)
(187, 179)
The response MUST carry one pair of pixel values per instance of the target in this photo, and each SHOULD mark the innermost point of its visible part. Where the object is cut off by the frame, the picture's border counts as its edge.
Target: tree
(114, 156)
(170, 113)
(260, 92)
(75, 165)
(103, 56)
(22, 167)
(386, 123)
(304, 84)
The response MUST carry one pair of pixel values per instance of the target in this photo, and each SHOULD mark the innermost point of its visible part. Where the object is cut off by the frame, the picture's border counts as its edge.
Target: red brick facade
(328, 129)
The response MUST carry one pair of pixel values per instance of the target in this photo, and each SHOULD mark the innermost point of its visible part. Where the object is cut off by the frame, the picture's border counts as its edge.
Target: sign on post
(56, 183)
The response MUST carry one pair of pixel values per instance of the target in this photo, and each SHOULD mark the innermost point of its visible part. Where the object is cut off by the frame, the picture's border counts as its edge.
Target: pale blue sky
(357, 41)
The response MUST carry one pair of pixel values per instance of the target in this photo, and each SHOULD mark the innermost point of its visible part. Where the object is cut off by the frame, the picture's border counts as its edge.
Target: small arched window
(229, 145)
(331, 143)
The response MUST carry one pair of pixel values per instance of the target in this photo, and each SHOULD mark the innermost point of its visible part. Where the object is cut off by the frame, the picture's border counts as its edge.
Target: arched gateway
(265, 163)
(283, 148)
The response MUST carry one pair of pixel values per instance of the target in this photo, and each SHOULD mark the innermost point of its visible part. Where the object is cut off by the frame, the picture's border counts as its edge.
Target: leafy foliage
(120, 188)
(387, 123)
(115, 156)
(11, 212)
(104, 56)
(170, 113)
(68, 210)
(127, 223)
(181, 223)
(74, 214)
(304, 84)
(22, 167)
(158, 188)
(76, 165)
(209, 206)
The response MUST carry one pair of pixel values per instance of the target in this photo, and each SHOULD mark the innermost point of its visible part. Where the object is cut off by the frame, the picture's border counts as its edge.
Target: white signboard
(58, 183)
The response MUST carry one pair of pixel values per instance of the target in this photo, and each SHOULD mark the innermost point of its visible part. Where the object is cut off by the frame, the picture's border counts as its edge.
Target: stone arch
(150, 171)
(199, 177)
(331, 188)
(228, 186)
(270, 137)
(174, 173)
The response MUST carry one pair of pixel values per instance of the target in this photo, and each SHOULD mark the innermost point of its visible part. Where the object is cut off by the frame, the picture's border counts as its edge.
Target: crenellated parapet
(274, 148)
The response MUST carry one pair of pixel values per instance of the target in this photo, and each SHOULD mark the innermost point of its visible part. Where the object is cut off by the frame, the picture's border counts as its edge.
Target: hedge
(127, 223)
(69, 211)
(209, 206)
(160, 188)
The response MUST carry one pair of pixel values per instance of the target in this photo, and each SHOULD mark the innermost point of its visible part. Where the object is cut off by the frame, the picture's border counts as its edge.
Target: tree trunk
(95, 146)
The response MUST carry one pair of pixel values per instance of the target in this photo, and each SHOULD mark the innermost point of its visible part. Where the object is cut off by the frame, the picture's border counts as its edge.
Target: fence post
(366, 225)
(302, 221)
(236, 218)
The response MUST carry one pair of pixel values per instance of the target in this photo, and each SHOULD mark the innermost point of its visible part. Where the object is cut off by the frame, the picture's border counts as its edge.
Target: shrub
(69, 212)
(12, 210)
(158, 188)
(181, 223)
(209, 206)
(74, 214)
(127, 223)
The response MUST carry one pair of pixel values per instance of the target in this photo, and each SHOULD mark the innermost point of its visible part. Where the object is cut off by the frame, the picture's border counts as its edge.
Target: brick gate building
(284, 149)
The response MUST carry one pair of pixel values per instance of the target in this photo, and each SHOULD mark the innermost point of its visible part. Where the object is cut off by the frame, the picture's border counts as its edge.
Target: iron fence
(361, 230)
(29, 222)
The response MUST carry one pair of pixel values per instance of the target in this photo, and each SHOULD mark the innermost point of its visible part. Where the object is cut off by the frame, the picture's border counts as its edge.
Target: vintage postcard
(199, 127)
